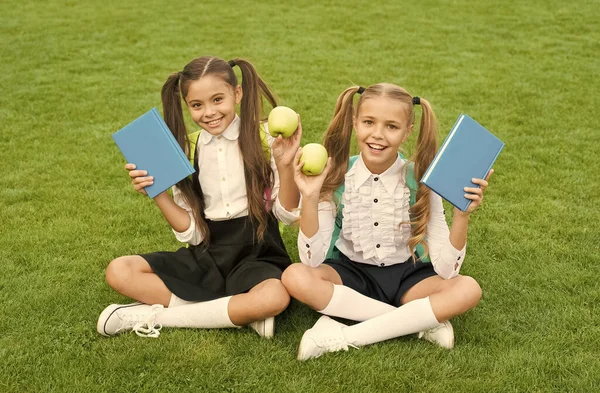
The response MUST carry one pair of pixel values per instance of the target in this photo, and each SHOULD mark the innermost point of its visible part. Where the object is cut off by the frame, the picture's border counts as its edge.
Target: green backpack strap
(333, 252)
(411, 182)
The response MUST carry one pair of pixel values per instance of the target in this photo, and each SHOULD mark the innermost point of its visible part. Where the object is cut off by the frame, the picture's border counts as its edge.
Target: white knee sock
(177, 301)
(410, 318)
(349, 304)
(211, 314)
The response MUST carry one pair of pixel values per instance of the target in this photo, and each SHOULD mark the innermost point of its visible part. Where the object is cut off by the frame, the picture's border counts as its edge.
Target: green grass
(74, 72)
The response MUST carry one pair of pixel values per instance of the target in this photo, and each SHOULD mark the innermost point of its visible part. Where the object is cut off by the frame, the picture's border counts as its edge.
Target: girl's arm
(447, 247)
(175, 211)
(285, 194)
(317, 219)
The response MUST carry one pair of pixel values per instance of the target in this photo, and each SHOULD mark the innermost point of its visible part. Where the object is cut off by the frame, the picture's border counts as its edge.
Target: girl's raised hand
(284, 149)
(475, 194)
(309, 186)
(139, 178)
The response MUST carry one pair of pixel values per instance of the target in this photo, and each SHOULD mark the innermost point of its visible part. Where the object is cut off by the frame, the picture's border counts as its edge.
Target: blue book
(148, 143)
(469, 151)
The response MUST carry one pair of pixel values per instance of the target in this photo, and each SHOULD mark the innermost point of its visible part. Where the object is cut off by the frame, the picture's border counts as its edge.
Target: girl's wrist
(461, 214)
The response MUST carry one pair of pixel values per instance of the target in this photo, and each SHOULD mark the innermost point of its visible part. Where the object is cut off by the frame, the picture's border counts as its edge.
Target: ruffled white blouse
(374, 208)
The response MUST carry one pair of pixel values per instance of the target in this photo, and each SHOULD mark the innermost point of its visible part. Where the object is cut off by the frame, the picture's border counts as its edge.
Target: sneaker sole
(105, 316)
(301, 355)
(269, 328)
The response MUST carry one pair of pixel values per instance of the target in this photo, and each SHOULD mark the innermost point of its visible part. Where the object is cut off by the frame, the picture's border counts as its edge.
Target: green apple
(282, 121)
(314, 157)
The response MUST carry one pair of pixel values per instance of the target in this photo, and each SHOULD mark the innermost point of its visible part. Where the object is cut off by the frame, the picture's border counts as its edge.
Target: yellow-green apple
(314, 157)
(282, 120)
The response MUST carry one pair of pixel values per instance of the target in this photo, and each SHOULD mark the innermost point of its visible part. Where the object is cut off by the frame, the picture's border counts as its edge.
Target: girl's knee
(275, 295)
(117, 272)
(471, 290)
(296, 277)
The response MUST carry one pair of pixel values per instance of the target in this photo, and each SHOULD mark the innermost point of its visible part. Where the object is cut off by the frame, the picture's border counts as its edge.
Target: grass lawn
(73, 72)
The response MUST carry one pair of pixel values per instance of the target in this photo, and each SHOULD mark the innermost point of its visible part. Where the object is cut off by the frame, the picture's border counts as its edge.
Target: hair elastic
(232, 63)
(360, 90)
(416, 100)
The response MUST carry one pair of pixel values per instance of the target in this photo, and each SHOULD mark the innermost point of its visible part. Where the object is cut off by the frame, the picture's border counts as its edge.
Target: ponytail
(425, 152)
(190, 189)
(337, 141)
(257, 169)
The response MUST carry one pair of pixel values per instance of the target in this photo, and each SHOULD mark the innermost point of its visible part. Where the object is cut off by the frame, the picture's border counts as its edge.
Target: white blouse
(221, 174)
(374, 207)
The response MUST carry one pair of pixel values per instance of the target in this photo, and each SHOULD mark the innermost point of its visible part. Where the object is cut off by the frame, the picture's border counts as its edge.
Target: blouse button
(307, 245)
(382, 264)
(376, 179)
(376, 224)
(378, 245)
(375, 200)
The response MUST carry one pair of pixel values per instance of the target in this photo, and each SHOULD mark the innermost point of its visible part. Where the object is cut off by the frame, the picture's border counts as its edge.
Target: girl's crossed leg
(132, 276)
(423, 306)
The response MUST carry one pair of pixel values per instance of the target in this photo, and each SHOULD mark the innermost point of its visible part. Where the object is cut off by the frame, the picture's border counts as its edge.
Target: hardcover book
(148, 143)
(469, 151)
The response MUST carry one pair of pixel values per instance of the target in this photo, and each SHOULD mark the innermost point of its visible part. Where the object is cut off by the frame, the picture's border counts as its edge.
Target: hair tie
(360, 90)
(416, 100)
(231, 63)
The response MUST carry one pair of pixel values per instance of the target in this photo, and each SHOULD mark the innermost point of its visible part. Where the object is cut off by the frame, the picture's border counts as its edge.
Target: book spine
(446, 142)
(171, 138)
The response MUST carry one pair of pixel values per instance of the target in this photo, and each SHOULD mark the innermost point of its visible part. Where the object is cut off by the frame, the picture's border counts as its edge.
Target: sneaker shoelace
(149, 328)
(429, 332)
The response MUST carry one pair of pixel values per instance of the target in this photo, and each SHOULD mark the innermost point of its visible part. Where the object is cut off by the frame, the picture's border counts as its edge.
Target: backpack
(411, 182)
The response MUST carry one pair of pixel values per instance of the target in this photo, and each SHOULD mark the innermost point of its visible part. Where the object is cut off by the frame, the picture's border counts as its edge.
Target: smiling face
(211, 102)
(381, 126)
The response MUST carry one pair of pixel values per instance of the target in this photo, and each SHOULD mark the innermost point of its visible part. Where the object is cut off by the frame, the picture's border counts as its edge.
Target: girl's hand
(139, 178)
(475, 194)
(309, 186)
(284, 149)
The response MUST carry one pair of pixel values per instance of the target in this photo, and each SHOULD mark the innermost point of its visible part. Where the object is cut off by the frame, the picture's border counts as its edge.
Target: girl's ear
(238, 94)
(408, 132)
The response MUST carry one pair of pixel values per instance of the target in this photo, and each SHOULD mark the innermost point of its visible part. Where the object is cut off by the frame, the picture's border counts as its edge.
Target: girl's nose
(378, 132)
(209, 110)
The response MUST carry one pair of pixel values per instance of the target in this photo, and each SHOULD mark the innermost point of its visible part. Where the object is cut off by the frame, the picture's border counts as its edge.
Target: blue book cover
(148, 143)
(469, 151)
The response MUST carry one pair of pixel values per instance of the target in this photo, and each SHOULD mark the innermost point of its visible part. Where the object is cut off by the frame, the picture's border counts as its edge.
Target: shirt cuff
(452, 260)
(285, 216)
(190, 235)
(311, 249)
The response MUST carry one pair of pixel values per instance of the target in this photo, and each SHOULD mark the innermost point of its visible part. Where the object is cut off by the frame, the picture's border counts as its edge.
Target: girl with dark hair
(227, 212)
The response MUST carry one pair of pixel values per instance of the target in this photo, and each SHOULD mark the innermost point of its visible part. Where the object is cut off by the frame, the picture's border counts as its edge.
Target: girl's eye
(218, 99)
(196, 106)
(368, 122)
(392, 127)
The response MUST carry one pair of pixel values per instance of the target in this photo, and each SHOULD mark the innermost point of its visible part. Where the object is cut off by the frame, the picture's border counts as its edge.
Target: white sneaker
(264, 328)
(325, 336)
(138, 317)
(442, 335)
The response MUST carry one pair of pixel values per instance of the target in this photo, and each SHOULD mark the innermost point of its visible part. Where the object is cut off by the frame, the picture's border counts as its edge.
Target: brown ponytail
(337, 141)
